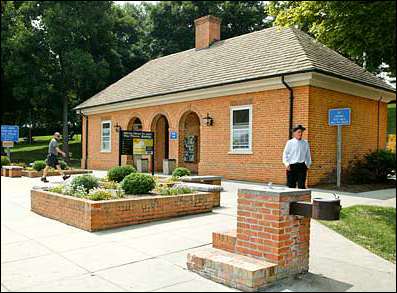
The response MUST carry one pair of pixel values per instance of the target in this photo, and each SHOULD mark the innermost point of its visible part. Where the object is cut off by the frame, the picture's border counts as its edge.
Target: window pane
(106, 125)
(241, 139)
(105, 145)
(241, 117)
(106, 138)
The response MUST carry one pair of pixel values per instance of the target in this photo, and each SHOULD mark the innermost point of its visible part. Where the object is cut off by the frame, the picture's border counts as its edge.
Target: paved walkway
(40, 254)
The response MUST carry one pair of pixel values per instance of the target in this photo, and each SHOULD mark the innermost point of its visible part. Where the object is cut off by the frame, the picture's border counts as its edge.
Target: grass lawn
(391, 119)
(369, 226)
(28, 153)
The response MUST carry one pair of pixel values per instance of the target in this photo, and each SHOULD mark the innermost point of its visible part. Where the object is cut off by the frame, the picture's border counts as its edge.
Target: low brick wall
(11, 172)
(106, 214)
(34, 174)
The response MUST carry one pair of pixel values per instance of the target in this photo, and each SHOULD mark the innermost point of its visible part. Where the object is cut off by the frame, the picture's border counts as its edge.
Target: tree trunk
(65, 134)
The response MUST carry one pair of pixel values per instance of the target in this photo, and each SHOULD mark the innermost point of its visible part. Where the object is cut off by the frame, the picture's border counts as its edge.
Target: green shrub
(5, 161)
(21, 164)
(180, 171)
(39, 165)
(373, 168)
(179, 189)
(58, 189)
(137, 183)
(63, 165)
(120, 172)
(110, 184)
(87, 181)
(99, 194)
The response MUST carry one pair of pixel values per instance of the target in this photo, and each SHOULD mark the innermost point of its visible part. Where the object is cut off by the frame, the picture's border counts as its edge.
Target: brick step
(231, 269)
(225, 240)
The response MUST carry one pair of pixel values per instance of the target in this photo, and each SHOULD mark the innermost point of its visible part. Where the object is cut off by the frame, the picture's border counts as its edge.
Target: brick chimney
(208, 30)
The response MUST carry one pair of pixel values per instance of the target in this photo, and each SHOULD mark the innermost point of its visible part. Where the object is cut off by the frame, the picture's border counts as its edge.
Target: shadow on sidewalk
(309, 283)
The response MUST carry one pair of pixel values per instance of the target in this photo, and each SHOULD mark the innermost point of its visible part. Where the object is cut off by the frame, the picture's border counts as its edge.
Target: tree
(57, 54)
(171, 28)
(364, 31)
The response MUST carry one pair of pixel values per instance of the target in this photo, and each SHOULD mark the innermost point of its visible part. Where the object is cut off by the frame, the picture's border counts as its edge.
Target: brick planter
(11, 171)
(34, 174)
(106, 214)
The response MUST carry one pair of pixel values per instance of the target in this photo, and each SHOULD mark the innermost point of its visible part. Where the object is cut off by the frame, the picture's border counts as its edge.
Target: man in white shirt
(296, 158)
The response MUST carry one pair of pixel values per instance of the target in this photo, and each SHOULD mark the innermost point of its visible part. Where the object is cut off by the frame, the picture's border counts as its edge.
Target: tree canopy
(364, 31)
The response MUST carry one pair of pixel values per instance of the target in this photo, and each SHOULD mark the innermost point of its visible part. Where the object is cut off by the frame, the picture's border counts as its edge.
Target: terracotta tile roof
(260, 54)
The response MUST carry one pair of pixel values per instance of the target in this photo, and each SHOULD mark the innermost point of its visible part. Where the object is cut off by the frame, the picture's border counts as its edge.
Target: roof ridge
(331, 51)
(293, 30)
(194, 49)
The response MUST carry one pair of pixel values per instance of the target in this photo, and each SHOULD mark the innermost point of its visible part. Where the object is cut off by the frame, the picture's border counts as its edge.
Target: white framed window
(241, 129)
(106, 136)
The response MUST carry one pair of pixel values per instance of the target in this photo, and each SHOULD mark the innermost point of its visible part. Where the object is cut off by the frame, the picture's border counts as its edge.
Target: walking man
(52, 159)
(296, 158)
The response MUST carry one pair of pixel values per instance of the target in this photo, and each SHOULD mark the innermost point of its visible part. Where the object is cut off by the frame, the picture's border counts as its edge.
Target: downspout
(86, 139)
(291, 100)
(379, 122)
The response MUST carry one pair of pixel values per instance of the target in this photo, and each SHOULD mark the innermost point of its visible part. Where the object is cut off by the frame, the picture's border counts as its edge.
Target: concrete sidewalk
(40, 254)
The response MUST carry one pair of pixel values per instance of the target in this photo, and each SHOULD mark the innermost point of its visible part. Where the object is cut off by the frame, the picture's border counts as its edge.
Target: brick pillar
(265, 230)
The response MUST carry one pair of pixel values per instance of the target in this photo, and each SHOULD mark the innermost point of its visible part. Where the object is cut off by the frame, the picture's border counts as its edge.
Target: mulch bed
(359, 187)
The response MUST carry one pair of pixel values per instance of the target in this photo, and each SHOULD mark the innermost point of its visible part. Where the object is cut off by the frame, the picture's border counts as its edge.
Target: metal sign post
(339, 156)
(339, 117)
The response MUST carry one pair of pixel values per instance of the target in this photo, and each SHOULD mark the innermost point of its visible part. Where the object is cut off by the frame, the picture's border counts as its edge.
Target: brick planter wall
(101, 215)
(34, 174)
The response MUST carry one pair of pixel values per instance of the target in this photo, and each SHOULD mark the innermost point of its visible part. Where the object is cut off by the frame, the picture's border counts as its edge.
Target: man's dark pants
(298, 173)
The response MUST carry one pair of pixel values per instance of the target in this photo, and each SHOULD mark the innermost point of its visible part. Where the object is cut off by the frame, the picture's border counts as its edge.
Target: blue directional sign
(339, 116)
(173, 135)
(9, 133)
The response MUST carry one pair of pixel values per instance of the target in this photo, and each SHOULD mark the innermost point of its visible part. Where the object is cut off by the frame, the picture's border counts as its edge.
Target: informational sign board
(132, 142)
(8, 144)
(9, 133)
(137, 142)
(339, 116)
(173, 135)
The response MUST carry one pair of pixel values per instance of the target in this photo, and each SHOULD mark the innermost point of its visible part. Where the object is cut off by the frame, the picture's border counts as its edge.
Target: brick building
(254, 87)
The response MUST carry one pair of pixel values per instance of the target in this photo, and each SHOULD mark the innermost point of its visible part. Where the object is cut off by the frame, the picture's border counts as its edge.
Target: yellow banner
(143, 146)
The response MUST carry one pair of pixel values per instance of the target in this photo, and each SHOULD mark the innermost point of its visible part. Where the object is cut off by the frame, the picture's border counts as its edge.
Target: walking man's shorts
(52, 160)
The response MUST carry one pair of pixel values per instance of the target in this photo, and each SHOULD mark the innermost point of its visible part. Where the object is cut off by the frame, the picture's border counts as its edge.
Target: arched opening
(134, 124)
(160, 128)
(189, 141)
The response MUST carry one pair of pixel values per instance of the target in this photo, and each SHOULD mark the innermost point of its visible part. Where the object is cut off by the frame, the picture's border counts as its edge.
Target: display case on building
(190, 148)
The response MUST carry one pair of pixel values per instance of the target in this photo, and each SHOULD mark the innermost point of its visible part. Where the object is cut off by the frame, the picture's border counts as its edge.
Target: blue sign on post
(9, 133)
(339, 116)
(173, 135)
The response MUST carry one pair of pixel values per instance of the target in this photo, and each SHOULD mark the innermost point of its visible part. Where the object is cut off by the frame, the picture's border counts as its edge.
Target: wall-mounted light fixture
(118, 127)
(208, 120)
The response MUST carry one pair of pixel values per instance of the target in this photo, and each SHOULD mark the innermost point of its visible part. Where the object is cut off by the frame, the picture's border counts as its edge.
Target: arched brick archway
(135, 123)
(160, 127)
(189, 141)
